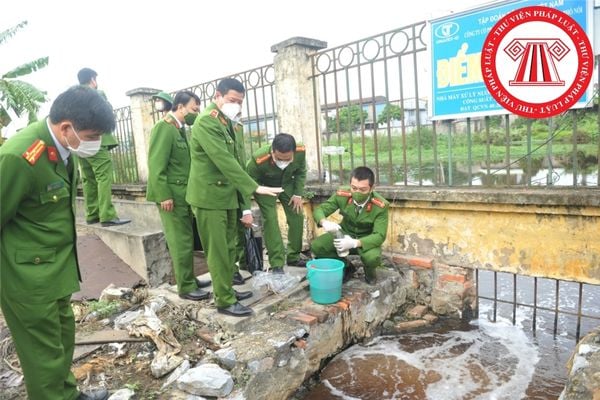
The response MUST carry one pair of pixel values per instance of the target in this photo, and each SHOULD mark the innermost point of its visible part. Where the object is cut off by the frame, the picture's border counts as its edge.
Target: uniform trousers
(96, 180)
(177, 226)
(218, 230)
(44, 337)
(322, 247)
(272, 233)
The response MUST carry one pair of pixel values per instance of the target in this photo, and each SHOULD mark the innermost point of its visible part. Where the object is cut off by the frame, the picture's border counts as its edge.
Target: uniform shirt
(168, 159)
(370, 225)
(263, 170)
(38, 255)
(217, 179)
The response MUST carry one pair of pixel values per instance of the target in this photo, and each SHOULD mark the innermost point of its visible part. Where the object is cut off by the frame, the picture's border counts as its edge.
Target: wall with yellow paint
(544, 233)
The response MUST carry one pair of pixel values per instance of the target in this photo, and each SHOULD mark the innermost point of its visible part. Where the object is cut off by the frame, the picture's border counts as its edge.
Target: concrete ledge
(140, 244)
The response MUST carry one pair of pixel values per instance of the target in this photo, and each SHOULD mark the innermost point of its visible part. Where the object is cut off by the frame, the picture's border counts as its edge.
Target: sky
(172, 45)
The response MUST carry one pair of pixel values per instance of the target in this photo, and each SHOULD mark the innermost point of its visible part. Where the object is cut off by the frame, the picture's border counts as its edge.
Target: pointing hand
(268, 190)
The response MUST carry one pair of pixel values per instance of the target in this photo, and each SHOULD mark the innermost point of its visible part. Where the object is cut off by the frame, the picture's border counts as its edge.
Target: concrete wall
(549, 233)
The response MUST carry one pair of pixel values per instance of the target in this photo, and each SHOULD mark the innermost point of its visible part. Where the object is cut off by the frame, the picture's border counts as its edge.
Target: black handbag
(254, 252)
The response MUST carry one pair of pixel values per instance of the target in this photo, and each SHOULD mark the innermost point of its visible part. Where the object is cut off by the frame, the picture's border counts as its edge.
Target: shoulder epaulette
(343, 193)
(262, 159)
(300, 148)
(378, 202)
(170, 120)
(33, 153)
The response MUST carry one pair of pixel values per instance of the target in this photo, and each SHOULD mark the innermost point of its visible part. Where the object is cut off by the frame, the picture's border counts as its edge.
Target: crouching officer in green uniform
(38, 255)
(216, 186)
(168, 170)
(97, 171)
(364, 224)
(281, 164)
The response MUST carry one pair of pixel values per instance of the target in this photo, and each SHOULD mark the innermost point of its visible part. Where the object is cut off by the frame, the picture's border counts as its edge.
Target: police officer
(216, 187)
(168, 170)
(363, 227)
(97, 171)
(38, 254)
(281, 164)
(163, 102)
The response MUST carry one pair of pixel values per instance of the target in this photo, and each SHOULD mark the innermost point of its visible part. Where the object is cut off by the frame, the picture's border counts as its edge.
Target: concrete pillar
(454, 293)
(295, 97)
(142, 123)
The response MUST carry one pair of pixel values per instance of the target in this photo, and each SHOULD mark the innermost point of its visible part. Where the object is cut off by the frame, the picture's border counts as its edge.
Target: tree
(350, 118)
(17, 95)
(390, 112)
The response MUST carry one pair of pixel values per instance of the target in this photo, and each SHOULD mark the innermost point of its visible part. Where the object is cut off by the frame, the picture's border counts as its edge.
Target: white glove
(330, 226)
(345, 243)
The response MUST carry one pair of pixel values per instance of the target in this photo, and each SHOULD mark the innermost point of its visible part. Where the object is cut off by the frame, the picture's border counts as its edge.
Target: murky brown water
(477, 360)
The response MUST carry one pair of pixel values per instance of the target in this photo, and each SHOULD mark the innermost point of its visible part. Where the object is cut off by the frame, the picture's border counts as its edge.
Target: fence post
(295, 96)
(142, 123)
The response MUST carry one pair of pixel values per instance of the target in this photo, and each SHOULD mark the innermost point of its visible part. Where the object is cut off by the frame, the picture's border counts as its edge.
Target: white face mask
(231, 110)
(86, 148)
(159, 106)
(282, 164)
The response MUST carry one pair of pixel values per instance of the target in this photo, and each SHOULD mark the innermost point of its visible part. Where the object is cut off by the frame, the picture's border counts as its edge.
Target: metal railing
(372, 111)
(548, 301)
(124, 158)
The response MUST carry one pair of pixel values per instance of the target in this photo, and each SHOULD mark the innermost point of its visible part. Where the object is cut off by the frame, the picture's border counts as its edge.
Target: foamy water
(491, 361)
(481, 360)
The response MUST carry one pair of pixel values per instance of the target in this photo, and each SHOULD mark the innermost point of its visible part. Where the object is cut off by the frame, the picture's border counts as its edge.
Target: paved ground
(100, 267)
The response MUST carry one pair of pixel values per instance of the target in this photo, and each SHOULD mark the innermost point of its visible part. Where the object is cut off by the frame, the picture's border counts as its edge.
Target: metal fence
(124, 158)
(373, 112)
(545, 303)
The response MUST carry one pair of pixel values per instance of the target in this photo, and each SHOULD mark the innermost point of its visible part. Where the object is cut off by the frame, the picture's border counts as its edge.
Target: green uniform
(245, 202)
(217, 186)
(38, 259)
(96, 180)
(168, 169)
(369, 225)
(263, 170)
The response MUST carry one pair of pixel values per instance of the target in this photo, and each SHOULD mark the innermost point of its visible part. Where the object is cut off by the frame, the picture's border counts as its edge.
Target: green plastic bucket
(325, 279)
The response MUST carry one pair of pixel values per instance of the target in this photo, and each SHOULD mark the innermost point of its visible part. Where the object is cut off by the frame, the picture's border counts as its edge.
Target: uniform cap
(164, 96)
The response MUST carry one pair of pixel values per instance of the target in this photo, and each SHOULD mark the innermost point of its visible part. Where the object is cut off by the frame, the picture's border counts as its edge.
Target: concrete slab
(100, 267)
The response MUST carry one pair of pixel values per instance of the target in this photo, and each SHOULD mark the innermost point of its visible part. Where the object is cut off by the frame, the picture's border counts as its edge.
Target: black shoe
(349, 271)
(202, 283)
(96, 394)
(235, 310)
(196, 295)
(278, 271)
(371, 280)
(238, 279)
(242, 295)
(92, 221)
(116, 221)
(298, 263)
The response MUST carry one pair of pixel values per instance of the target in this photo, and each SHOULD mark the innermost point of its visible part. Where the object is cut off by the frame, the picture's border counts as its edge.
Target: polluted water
(480, 360)
(507, 353)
